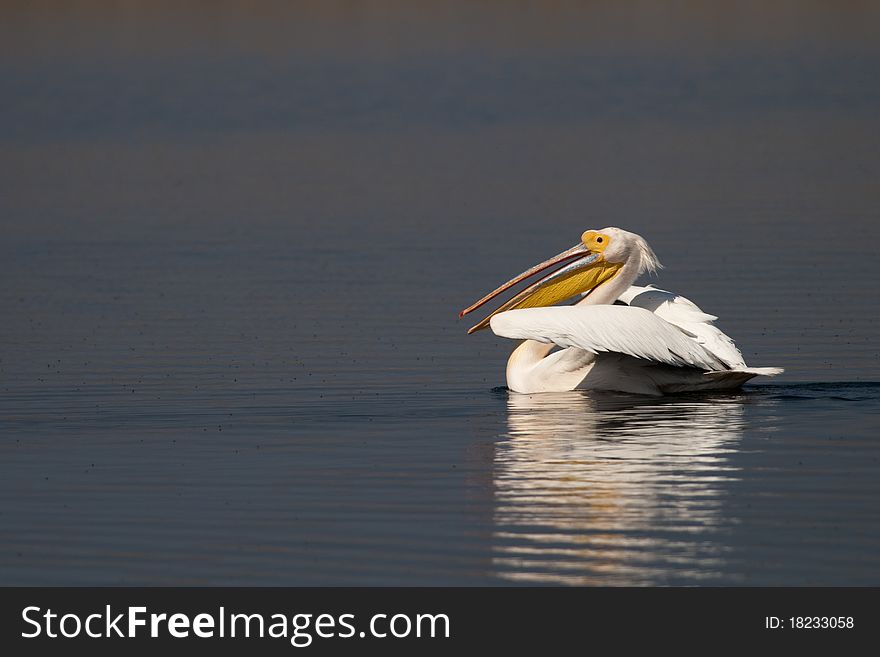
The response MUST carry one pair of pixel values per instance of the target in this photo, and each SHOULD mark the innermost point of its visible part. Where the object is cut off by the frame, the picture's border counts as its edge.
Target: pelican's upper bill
(583, 268)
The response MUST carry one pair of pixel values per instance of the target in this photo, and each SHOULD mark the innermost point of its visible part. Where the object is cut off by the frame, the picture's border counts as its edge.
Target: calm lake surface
(235, 244)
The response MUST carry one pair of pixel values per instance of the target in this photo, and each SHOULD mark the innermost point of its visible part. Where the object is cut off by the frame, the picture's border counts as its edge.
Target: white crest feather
(650, 262)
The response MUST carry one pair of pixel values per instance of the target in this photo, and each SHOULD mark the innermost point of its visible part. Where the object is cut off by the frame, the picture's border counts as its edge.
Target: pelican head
(598, 258)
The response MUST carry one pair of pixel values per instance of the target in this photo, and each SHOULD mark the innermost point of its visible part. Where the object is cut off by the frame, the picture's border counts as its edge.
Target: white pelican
(619, 336)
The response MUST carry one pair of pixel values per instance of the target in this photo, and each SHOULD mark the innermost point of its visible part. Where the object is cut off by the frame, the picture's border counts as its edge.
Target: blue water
(235, 244)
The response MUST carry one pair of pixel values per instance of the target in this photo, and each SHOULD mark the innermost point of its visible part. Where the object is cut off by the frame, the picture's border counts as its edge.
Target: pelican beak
(581, 270)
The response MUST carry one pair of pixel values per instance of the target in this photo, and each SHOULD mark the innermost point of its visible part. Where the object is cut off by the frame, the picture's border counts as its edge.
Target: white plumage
(619, 336)
(658, 343)
(624, 330)
(687, 316)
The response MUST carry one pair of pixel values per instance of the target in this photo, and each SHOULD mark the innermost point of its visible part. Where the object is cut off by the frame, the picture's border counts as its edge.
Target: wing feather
(687, 316)
(626, 330)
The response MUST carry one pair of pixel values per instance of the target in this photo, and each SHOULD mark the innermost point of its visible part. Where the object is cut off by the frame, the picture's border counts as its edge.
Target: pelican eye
(599, 240)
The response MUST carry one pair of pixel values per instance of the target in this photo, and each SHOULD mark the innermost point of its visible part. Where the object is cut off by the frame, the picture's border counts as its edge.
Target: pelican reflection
(613, 489)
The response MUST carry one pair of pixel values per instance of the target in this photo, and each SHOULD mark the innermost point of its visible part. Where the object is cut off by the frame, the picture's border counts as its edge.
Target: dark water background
(234, 239)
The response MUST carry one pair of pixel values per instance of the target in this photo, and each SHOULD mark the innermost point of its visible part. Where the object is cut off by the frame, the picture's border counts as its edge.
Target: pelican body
(617, 336)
